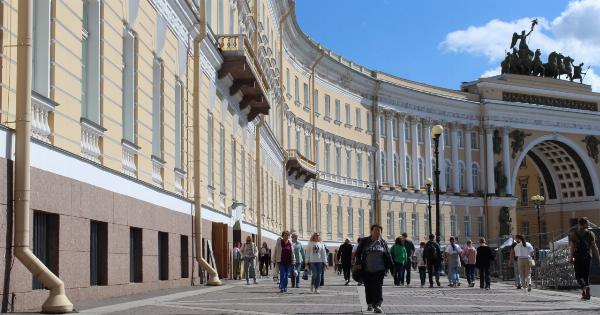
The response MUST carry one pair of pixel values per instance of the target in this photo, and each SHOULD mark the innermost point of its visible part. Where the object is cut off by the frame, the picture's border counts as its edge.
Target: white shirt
(315, 252)
(523, 251)
(455, 250)
(420, 259)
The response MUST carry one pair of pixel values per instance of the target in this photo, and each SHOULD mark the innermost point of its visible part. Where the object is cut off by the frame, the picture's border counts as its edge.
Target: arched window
(408, 171)
(396, 169)
(461, 176)
(475, 176)
(421, 173)
(448, 173)
(383, 168)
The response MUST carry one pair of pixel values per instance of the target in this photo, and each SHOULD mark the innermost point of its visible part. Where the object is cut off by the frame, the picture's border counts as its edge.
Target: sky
(444, 43)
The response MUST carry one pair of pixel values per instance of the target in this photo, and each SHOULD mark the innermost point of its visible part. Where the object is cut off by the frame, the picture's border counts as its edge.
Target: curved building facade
(292, 137)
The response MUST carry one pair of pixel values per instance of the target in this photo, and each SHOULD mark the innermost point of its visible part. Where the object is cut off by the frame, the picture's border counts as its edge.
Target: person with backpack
(583, 243)
(433, 258)
(410, 250)
(345, 259)
(374, 259)
(398, 252)
(452, 254)
(484, 259)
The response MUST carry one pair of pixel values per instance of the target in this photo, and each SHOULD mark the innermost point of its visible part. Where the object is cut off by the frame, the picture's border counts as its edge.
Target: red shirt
(286, 252)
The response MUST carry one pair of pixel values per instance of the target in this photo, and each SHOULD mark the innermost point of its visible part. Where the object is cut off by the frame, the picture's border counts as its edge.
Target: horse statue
(537, 66)
(505, 64)
(551, 67)
(577, 72)
(566, 68)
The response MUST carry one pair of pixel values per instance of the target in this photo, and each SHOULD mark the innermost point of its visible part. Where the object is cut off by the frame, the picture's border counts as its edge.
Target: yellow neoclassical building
(289, 136)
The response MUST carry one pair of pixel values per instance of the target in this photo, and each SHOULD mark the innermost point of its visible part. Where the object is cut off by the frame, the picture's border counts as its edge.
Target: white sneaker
(317, 291)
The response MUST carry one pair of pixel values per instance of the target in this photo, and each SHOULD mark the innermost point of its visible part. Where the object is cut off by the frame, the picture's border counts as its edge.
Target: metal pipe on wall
(57, 301)
(213, 278)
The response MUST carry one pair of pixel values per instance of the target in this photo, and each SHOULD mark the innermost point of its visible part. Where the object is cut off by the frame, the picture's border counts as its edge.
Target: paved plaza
(235, 297)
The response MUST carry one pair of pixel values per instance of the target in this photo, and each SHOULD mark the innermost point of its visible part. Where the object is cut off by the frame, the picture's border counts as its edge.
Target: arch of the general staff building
(507, 138)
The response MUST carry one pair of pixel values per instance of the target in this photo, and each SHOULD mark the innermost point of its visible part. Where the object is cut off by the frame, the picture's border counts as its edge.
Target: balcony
(240, 62)
(297, 165)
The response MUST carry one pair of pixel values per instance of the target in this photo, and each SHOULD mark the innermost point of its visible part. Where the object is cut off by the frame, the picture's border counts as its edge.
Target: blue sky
(444, 43)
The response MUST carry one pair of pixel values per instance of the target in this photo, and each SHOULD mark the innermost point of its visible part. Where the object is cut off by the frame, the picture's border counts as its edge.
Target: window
(329, 219)
(415, 224)
(453, 224)
(234, 178)
(98, 253)
(319, 214)
(361, 222)
(338, 114)
(474, 140)
(419, 132)
(338, 161)
(298, 140)
(244, 175)
(327, 157)
(524, 193)
(461, 176)
(309, 214)
(41, 48)
(208, 12)
(222, 157)
(480, 226)
(307, 146)
(210, 158)
(178, 124)
(442, 226)
(287, 80)
(394, 129)
(408, 171)
(45, 242)
(358, 118)
(349, 163)
(90, 43)
(421, 173)
(460, 138)
(381, 126)
(369, 121)
(316, 101)
(220, 17)
(359, 174)
(163, 256)
(135, 255)
(340, 220)
(183, 247)
(371, 217)
(407, 134)
(396, 169)
(347, 107)
(383, 168)
(525, 228)
(475, 176)
(318, 154)
(426, 223)
(306, 96)
(300, 221)
(157, 108)
(292, 212)
(327, 106)
(390, 224)
(467, 226)
(447, 136)
(371, 166)
(402, 221)
(350, 221)
(129, 84)
(296, 90)
(448, 174)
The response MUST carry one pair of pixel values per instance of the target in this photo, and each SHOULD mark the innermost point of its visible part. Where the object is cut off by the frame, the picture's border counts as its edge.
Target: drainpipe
(213, 278)
(258, 171)
(376, 157)
(314, 141)
(282, 117)
(57, 301)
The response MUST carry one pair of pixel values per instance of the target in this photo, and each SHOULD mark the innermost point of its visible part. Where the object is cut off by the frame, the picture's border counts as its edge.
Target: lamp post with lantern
(436, 132)
(537, 201)
(428, 183)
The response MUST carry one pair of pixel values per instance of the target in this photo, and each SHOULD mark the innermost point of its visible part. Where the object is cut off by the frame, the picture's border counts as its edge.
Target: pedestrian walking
(469, 258)
(514, 261)
(264, 259)
(345, 259)
(398, 252)
(421, 265)
(317, 260)
(249, 253)
(374, 259)
(433, 258)
(524, 253)
(583, 244)
(237, 261)
(484, 259)
(410, 250)
(284, 258)
(300, 258)
(452, 254)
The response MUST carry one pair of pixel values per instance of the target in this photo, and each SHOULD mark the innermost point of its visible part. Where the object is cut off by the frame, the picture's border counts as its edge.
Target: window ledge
(306, 108)
(327, 118)
(337, 122)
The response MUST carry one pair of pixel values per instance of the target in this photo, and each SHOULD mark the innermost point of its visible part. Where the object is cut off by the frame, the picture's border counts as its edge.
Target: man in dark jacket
(345, 258)
(432, 255)
(484, 258)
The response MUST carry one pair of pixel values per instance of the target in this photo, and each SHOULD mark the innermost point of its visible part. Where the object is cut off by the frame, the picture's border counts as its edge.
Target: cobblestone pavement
(264, 298)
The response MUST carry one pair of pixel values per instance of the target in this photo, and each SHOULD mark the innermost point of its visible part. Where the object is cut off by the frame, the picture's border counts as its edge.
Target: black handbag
(357, 272)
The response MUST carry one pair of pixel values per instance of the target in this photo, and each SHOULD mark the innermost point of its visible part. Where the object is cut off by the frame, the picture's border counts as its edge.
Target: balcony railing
(346, 180)
(299, 165)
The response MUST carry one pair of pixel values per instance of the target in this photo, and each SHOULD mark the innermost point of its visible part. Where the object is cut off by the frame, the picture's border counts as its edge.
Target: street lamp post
(428, 183)
(538, 200)
(436, 132)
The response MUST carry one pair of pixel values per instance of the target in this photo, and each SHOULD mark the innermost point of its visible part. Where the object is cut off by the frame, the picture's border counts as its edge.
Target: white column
(389, 140)
(489, 147)
(402, 149)
(455, 175)
(427, 136)
(468, 159)
(506, 157)
(481, 159)
(415, 152)
(442, 163)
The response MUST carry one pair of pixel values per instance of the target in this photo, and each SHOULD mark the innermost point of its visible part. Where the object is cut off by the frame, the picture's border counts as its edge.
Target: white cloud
(575, 32)
(592, 79)
(492, 72)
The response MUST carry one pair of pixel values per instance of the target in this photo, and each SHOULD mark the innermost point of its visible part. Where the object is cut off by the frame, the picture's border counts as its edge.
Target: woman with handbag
(316, 257)
(374, 259)
(524, 252)
(452, 253)
(249, 252)
(284, 257)
(469, 259)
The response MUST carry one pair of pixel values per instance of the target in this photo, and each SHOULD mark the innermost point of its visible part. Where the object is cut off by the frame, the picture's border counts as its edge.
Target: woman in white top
(418, 258)
(249, 253)
(452, 254)
(316, 257)
(524, 253)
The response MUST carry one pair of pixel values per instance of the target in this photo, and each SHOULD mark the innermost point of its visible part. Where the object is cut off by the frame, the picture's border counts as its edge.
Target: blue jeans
(398, 273)
(453, 274)
(284, 274)
(484, 277)
(317, 272)
(516, 271)
(406, 271)
(297, 282)
(470, 271)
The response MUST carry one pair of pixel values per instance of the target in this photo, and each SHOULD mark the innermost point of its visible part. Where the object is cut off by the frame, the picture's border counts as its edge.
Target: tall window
(298, 140)
(525, 228)
(163, 256)
(480, 226)
(415, 224)
(421, 173)
(307, 146)
(381, 126)
(359, 174)
(129, 84)
(402, 221)
(291, 212)
(41, 47)
(316, 101)
(460, 138)
(442, 226)
(157, 108)
(350, 222)
(338, 161)
(338, 111)
(394, 129)
(300, 221)
(371, 166)
(319, 213)
(98, 253)
(347, 107)
(453, 224)
(222, 157)
(135, 255)
(408, 171)
(461, 176)
(361, 222)
(475, 174)
(184, 256)
(309, 214)
(328, 157)
(349, 163)
(524, 192)
(306, 96)
(474, 140)
(210, 158)
(369, 121)
(208, 9)
(329, 219)
(467, 226)
(396, 168)
(340, 220)
(448, 174)
(447, 136)
(296, 89)
(390, 224)
(407, 133)
(233, 168)
(358, 118)
(327, 106)
(383, 167)
(426, 223)
(287, 80)
(419, 132)
(90, 108)
(178, 124)
(220, 17)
